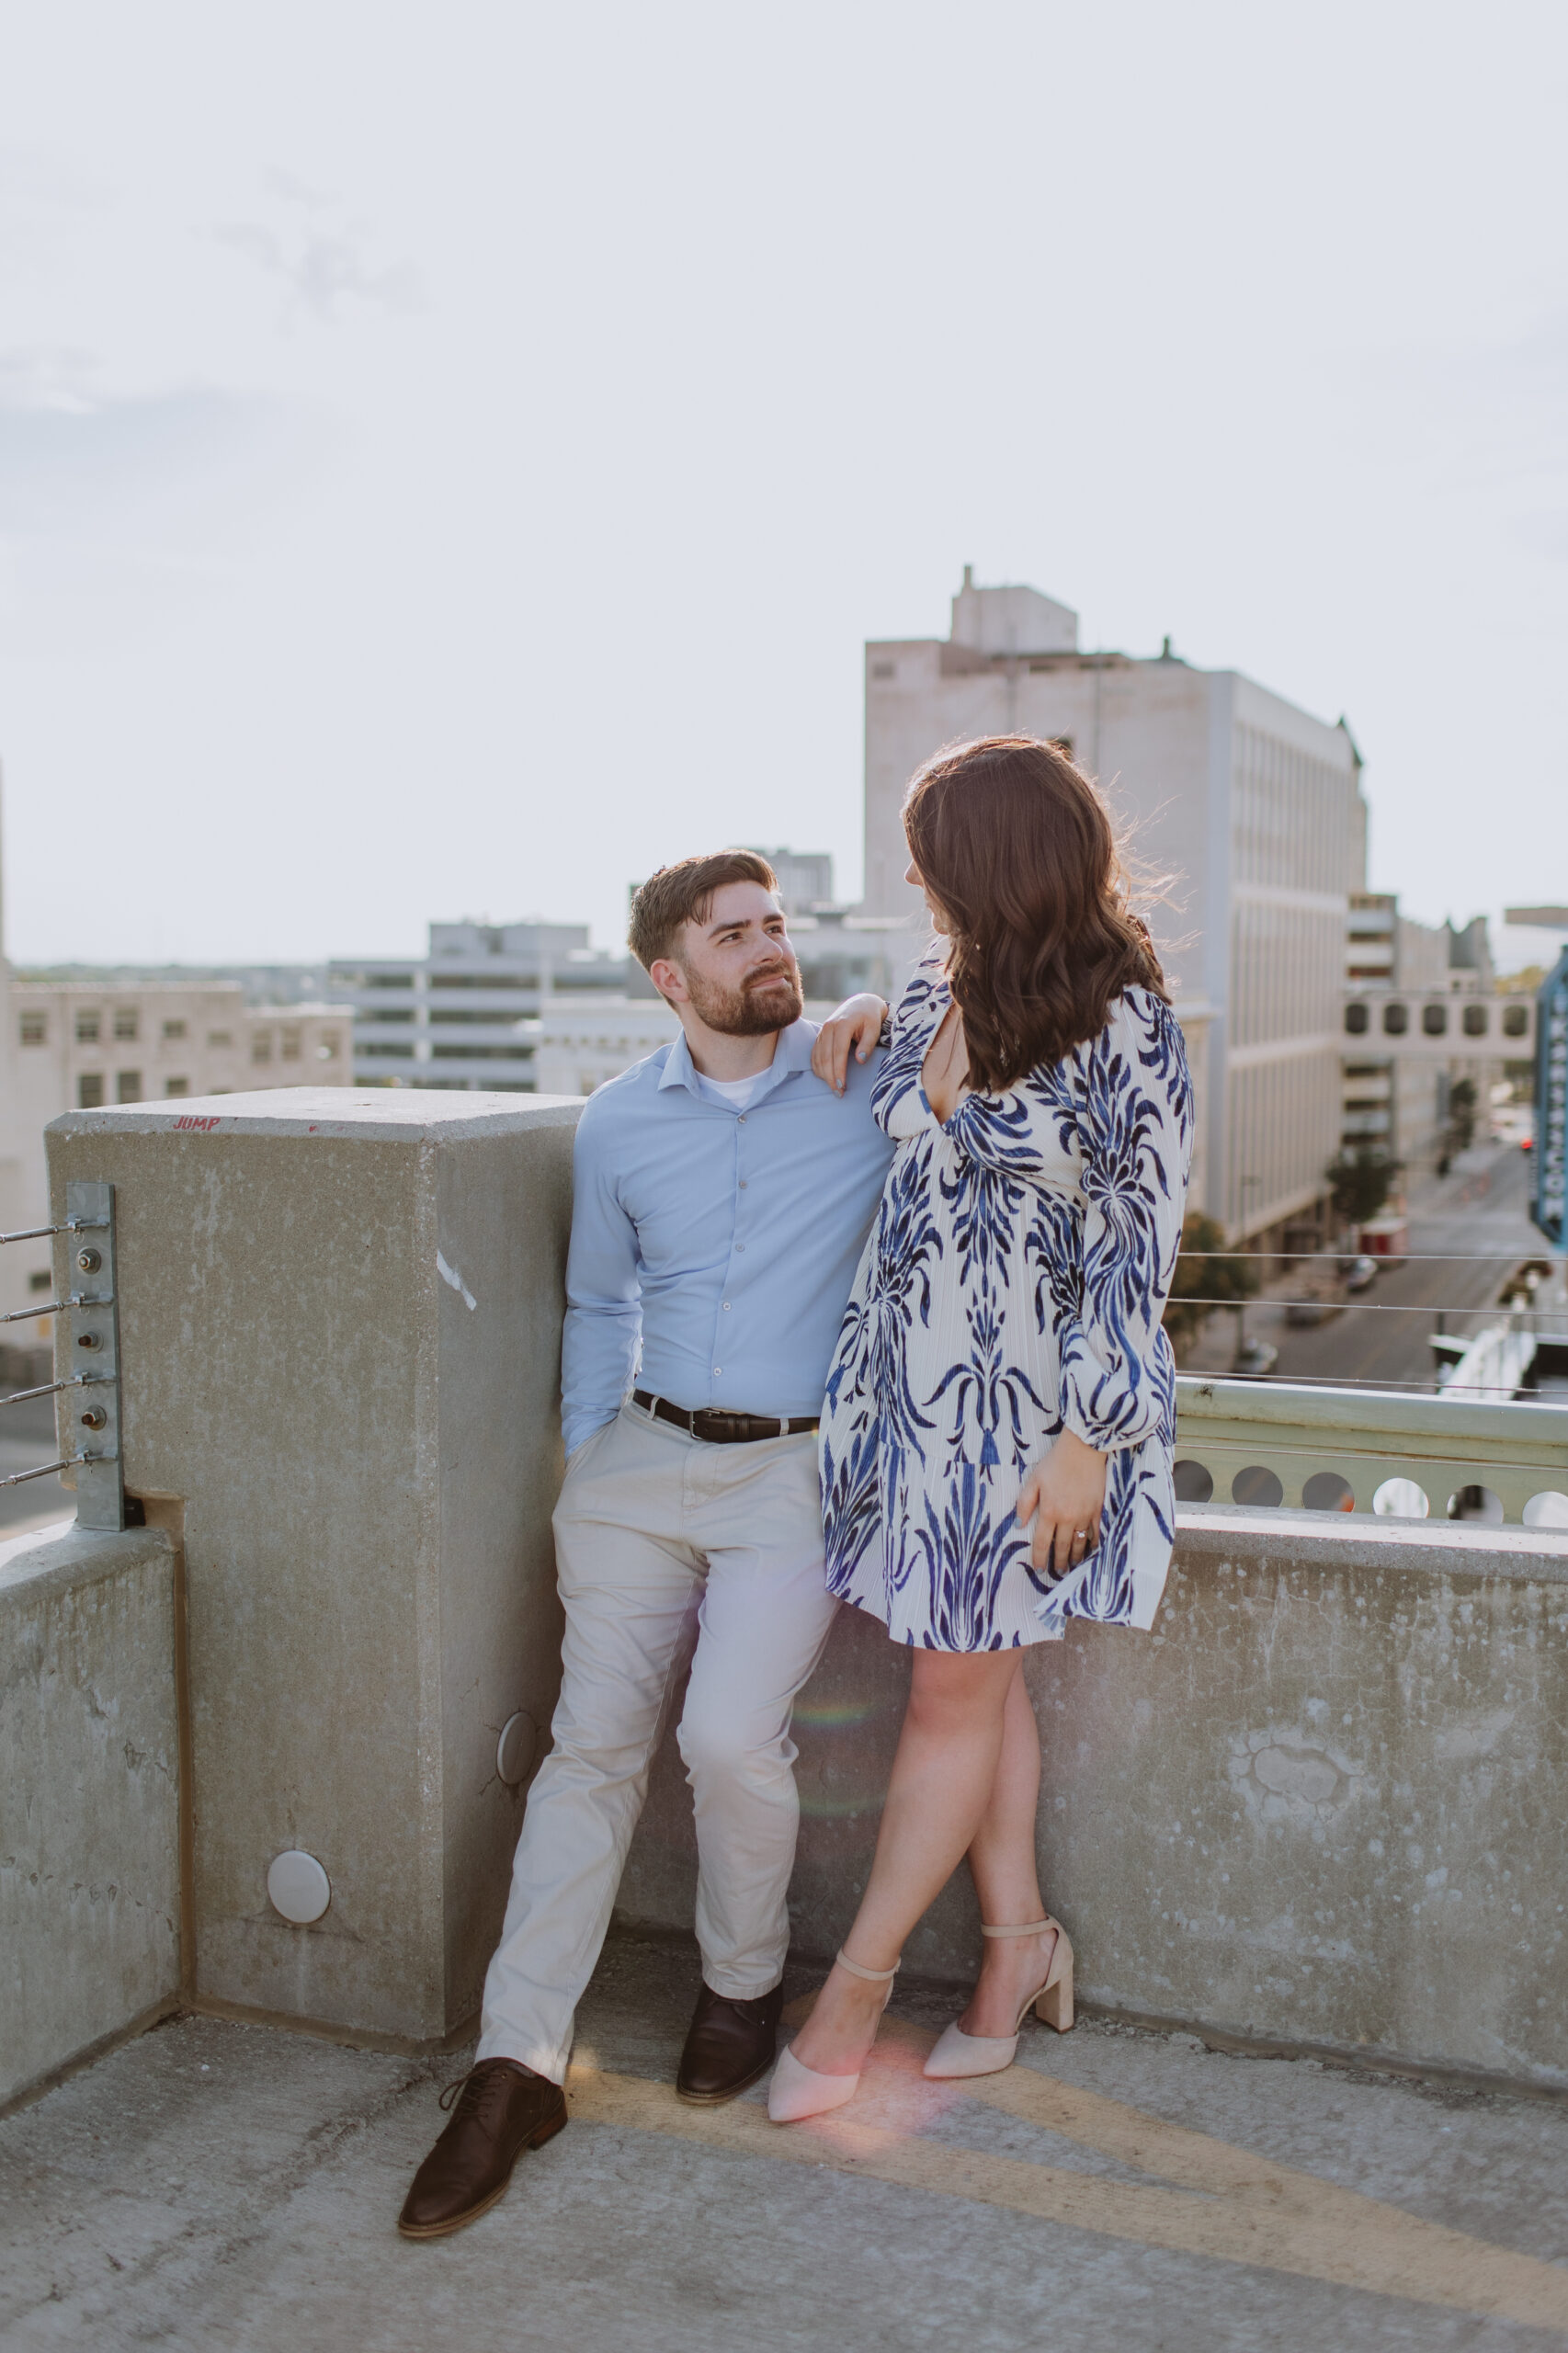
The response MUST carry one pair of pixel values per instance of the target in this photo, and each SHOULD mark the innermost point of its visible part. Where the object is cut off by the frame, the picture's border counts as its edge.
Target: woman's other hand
(857, 1024)
(1065, 1493)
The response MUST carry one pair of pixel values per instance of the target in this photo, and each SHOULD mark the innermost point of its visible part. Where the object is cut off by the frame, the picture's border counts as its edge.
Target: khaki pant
(654, 1530)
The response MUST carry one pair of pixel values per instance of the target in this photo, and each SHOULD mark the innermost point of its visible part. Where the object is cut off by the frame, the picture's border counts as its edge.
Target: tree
(1462, 1104)
(1361, 1182)
(1206, 1272)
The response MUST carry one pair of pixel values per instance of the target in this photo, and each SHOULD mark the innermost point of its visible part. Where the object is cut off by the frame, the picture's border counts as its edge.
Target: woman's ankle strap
(1029, 1928)
(872, 1976)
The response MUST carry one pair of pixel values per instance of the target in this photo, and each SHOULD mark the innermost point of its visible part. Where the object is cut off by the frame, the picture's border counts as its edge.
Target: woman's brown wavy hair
(1015, 847)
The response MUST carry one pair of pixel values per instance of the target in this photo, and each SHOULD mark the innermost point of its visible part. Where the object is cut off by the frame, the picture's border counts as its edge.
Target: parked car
(1317, 1299)
(1361, 1272)
(1255, 1356)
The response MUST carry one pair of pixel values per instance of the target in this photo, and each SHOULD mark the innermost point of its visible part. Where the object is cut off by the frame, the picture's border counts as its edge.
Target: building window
(884, 669)
(327, 1050)
(127, 1023)
(90, 1090)
(1397, 1020)
(35, 1029)
(1434, 1020)
(87, 1029)
(261, 1046)
(1475, 1020)
(43, 1282)
(174, 1028)
(290, 1043)
(177, 1086)
(1357, 1020)
(219, 1037)
(1516, 1021)
(128, 1086)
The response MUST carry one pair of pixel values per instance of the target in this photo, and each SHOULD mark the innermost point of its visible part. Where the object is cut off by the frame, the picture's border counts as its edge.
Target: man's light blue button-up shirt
(721, 1244)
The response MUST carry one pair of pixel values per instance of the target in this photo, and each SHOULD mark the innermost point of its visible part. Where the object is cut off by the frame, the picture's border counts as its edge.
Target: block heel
(957, 2053)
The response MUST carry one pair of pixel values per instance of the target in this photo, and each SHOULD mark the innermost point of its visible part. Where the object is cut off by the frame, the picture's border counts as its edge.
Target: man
(721, 1196)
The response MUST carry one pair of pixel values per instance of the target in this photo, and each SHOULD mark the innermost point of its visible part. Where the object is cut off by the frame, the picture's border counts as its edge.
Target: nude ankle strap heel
(798, 2091)
(1053, 2003)
(871, 1977)
(957, 2053)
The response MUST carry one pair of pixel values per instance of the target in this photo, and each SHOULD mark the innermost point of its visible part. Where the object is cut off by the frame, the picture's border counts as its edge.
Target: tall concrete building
(1255, 804)
(1400, 1066)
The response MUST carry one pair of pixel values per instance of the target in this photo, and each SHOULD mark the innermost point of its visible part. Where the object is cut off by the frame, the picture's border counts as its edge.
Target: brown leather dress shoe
(502, 2108)
(729, 2046)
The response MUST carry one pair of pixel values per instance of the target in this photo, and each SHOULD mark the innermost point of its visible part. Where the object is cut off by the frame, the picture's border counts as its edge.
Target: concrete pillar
(339, 1323)
(89, 1825)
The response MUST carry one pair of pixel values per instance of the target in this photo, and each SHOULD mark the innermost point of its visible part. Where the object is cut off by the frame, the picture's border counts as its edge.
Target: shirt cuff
(579, 1427)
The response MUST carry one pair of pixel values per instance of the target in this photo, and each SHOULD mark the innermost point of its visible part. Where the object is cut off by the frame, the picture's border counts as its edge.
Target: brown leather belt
(716, 1428)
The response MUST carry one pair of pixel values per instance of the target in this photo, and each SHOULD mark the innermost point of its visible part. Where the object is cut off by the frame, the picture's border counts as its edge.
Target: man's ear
(669, 980)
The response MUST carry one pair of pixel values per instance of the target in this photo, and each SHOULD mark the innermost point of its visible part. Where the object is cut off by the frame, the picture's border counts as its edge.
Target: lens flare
(834, 1715)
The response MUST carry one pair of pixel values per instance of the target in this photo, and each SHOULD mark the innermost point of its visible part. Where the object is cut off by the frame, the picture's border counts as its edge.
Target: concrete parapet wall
(339, 1320)
(89, 1796)
(1324, 1803)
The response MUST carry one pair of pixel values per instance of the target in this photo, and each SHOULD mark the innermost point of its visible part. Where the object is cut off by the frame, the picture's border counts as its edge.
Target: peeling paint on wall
(450, 1275)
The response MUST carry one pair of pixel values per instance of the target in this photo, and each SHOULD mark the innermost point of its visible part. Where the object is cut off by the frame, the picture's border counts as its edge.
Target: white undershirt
(734, 1092)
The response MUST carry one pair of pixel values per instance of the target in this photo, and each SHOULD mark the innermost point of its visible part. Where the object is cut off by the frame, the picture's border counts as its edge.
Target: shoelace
(750, 2006)
(476, 2083)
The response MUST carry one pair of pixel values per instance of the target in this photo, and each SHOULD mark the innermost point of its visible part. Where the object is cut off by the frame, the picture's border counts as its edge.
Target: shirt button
(742, 1184)
(717, 1370)
(739, 1247)
(742, 1120)
(726, 1307)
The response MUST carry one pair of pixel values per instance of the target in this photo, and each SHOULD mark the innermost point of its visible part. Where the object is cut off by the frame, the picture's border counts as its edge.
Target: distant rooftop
(1011, 621)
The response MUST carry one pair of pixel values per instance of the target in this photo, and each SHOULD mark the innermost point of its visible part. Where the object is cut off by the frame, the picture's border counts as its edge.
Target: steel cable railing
(1477, 1427)
(1513, 1304)
(91, 1323)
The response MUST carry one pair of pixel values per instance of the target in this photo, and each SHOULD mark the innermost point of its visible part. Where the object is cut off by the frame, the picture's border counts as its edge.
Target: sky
(452, 458)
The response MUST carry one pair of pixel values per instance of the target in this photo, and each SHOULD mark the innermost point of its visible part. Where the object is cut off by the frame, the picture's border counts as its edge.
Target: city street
(1479, 1212)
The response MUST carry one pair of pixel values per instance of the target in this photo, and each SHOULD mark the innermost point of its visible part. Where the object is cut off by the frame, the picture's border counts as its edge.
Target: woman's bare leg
(1002, 1858)
(944, 1777)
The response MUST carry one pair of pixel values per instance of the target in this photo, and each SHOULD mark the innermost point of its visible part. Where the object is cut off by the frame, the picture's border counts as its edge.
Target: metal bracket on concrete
(88, 1342)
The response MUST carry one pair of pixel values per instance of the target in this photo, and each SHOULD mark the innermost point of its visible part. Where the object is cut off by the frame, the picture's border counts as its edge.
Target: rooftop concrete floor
(217, 2185)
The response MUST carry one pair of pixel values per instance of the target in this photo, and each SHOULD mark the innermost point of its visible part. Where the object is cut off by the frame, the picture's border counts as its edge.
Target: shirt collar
(792, 1053)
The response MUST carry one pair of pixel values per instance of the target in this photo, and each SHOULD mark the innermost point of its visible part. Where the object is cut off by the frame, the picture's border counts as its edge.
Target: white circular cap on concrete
(516, 1747)
(297, 1886)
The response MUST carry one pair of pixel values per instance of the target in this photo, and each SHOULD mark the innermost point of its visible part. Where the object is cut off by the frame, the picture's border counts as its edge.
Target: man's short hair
(683, 894)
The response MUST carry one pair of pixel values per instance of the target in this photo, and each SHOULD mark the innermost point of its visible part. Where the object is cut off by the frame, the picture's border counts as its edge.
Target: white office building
(467, 1015)
(531, 1009)
(1256, 805)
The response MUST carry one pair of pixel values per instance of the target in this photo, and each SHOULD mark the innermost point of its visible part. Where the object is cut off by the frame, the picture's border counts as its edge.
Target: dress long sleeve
(1134, 1128)
(1013, 1287)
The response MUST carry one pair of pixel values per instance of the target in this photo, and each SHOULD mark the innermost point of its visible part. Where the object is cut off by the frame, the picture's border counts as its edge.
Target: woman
(996, 1438)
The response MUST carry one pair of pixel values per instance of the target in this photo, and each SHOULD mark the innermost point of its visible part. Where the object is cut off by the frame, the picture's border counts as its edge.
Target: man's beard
(763, 1003)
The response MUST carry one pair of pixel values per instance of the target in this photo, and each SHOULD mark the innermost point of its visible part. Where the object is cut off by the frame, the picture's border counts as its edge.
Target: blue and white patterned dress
(1013, 1283)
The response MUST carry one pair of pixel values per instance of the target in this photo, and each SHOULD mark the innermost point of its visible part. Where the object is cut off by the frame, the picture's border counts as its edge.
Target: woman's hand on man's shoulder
(852, 1027)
